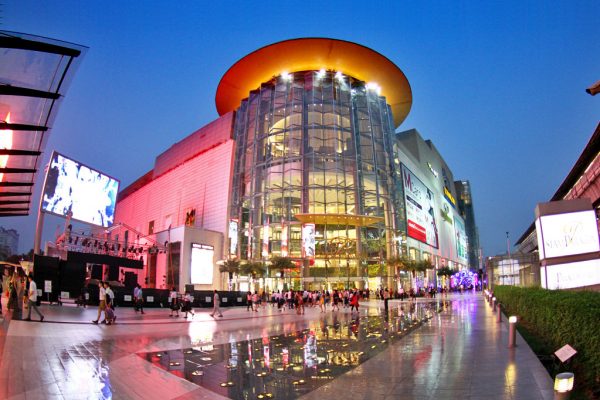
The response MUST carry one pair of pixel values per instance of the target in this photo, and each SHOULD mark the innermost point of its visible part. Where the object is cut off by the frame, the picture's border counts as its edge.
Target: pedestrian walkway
(461, 353)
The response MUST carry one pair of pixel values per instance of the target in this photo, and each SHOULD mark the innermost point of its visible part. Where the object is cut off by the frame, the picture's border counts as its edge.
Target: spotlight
(286, 76)
(339, 76)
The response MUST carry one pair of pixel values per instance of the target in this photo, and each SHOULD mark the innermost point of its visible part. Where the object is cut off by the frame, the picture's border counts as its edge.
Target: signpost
(565, 353)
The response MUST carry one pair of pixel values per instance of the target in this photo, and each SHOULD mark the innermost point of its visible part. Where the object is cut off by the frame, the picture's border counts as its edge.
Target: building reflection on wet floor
(433, 349)
(290, 365)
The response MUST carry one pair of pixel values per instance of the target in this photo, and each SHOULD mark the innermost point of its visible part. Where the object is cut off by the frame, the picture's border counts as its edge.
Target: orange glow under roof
(351, 59)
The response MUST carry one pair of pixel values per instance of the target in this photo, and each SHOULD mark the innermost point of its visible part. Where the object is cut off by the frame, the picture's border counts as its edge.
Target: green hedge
(559, 317)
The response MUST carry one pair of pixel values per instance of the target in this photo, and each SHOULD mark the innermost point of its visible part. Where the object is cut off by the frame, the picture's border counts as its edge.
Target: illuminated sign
(571, 275)
(433, 171)
(447, 212)
(284, 240)
(461, 238)
(265, 241)
(448, 195)
(233, 236)
(201, 268)
(420, 207)
(567, 234)
(71, 187)
(308, 240)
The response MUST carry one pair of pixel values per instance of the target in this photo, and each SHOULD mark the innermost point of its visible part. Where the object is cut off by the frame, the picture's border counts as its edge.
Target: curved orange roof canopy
(351, 59)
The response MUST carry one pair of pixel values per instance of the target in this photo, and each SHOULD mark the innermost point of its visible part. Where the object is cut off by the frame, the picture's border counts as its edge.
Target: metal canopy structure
(34, 77)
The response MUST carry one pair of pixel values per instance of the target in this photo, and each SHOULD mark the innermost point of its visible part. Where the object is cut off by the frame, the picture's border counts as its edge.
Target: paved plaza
(457, 351)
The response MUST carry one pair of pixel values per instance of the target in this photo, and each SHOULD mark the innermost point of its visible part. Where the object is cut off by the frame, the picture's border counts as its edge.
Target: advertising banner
(461, 238)
(420, 209)
(308, 240)
(284, 240)
(233, 236)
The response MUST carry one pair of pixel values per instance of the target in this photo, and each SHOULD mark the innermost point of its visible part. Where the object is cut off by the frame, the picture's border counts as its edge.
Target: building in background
(303, 163)
(467, 211)
(9, 242)
(435, 229)
(581, 183)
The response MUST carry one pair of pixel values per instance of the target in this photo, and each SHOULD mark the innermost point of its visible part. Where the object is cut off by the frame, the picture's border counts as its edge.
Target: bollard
(512, 331)
(499, 314)
(494, 303)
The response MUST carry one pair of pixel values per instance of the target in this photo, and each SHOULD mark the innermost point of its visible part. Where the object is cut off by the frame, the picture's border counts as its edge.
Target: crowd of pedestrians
(300, 300)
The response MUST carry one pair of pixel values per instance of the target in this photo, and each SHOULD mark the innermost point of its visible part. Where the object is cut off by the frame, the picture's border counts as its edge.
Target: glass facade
(314, 148)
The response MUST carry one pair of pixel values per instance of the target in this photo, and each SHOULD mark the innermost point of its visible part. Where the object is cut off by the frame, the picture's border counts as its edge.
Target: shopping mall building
(304, 163)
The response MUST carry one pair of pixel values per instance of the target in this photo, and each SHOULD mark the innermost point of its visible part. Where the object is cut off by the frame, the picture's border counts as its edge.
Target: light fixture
(286, 76)
(339, 76)
(374, 87)
(321, 73)
(563, 382)
(512, 319)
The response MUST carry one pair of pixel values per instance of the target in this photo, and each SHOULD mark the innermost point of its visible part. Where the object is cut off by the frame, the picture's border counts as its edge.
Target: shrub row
(559, 317)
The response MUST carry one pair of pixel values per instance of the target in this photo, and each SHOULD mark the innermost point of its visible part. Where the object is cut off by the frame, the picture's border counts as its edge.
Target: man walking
(139, 299)
(216, 303)
(386, 298)
(32, 298)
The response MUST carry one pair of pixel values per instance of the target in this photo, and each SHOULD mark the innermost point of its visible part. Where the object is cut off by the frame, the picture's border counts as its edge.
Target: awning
(34, 75)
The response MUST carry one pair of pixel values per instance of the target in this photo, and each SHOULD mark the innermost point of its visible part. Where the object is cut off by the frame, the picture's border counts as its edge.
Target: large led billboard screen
(567, 234)
(88, 194)
(420, 209)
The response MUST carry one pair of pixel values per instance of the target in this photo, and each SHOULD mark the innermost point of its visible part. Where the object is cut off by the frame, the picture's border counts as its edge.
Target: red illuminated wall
(195, 173)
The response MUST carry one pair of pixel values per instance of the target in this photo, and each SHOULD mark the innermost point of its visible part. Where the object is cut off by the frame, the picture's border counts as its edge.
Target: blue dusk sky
(499, 87)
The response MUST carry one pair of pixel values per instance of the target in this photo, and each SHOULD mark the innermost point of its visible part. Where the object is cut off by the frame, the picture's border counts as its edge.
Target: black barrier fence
(160, 297)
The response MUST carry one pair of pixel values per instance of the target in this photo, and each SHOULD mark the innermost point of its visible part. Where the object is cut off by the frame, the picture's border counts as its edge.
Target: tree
(254, 269)
(231, 266)
(281, 264)
(445, 272)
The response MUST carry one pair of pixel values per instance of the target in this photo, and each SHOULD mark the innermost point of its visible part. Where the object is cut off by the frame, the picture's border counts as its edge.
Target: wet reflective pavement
(291, 365)
(460, 352)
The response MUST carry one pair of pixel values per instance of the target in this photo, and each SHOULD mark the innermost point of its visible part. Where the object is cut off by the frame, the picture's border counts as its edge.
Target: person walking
(139, 299)
(32, 298)
(187, 305)
(173, 303)
(216, 304)
(255, 301)
(249, 302)
(110, 303)
(101, 301)
(386, 298)
(336, 300)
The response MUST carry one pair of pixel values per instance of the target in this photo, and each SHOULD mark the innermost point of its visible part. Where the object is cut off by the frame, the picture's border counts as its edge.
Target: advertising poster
(265, 240)
(461, 238)
(420, 209)
(308, 240)
(284, 240)
(233, 236)
(201, 268)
